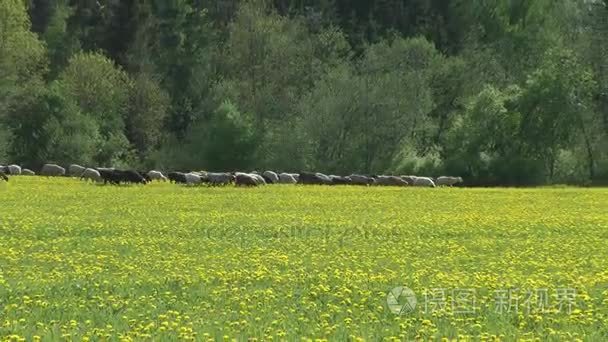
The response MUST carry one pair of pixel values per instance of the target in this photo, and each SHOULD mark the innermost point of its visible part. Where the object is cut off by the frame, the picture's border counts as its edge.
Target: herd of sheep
(116, 176)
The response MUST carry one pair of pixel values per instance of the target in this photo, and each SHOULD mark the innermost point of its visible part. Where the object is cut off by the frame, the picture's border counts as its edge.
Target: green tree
(101, 90)
(269, 62)
(229, 140)
(552, 103)
(174, 39)
(54, 130)
(224, 142)
(359, 116)
(484, 143)
(60, 43)
(148, 107)
(22, 67)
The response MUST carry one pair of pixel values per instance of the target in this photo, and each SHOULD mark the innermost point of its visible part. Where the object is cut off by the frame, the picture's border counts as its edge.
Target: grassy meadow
(80, 261)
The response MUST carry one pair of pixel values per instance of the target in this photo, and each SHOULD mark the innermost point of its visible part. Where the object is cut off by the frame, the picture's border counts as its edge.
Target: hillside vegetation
(498, 92)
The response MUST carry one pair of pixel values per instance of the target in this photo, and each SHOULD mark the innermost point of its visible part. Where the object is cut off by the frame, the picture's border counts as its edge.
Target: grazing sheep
(75, 170)
(314, 178)
(220, 178)
(259, 179)
(193, 179)
(295, 176)
(130, 176)
(92, 175)
(3, 176)
(270, 177)
(361, 180)
(121, 176)
(325, 178)
(409, 179)
(449, 181)
(177, 177)
(108, 176)
(145, 176)
(202, 174)
(424, 181)
(339, 180)
(14, 169)
(156, 175)
(286, 178)
(390, 181)
(27, 172)
(246, 179)
(52, 170)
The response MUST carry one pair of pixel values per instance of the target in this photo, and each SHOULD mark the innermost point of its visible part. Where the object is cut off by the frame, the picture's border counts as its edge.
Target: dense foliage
(499, 92)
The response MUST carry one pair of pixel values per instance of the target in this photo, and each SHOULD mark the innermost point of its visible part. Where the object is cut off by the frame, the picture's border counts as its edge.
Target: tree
(148, 108)
(101, 91)
(173, 39)
(270, 61)
(22, 67)
(588, 35)
(22, 55)
(518, 32)
(360, 115)
(60, 43)
(229, 142)
(484, 143)
(552, 103)
(224, 142)
(54, 130)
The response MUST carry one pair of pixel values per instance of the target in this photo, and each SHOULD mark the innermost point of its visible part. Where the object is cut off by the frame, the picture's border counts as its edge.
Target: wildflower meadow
(165, 262)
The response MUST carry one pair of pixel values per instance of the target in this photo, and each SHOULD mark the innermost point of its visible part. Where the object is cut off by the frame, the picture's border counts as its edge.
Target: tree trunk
(590, 157)
(591, 160)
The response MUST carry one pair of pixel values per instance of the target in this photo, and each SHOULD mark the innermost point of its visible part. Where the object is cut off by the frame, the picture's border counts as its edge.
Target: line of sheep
(116, 176)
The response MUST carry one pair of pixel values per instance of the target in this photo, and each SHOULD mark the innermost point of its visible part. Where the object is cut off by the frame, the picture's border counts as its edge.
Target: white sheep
(14, 169)
(258, 179)
(390, 181)
(156, 175)
(246, 179)
(52, 170)
(409, 179)
(193, 179)
(91, 174)
(220, 178)
(286, 178)
(272, 176)
(424, 181)
(449, 181)
(75, 170)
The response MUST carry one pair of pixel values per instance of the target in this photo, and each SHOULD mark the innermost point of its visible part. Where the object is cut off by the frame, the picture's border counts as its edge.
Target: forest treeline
(498, 92)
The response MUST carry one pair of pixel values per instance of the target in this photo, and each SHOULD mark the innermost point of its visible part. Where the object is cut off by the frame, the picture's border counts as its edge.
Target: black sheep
(314, 178)
(177, 177)
(121, 176)
(130, 176)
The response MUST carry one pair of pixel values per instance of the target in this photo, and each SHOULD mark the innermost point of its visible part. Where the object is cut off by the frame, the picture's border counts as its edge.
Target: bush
(408, 162)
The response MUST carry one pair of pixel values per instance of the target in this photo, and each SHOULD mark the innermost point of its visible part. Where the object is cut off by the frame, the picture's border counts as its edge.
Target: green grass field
(165, 262)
